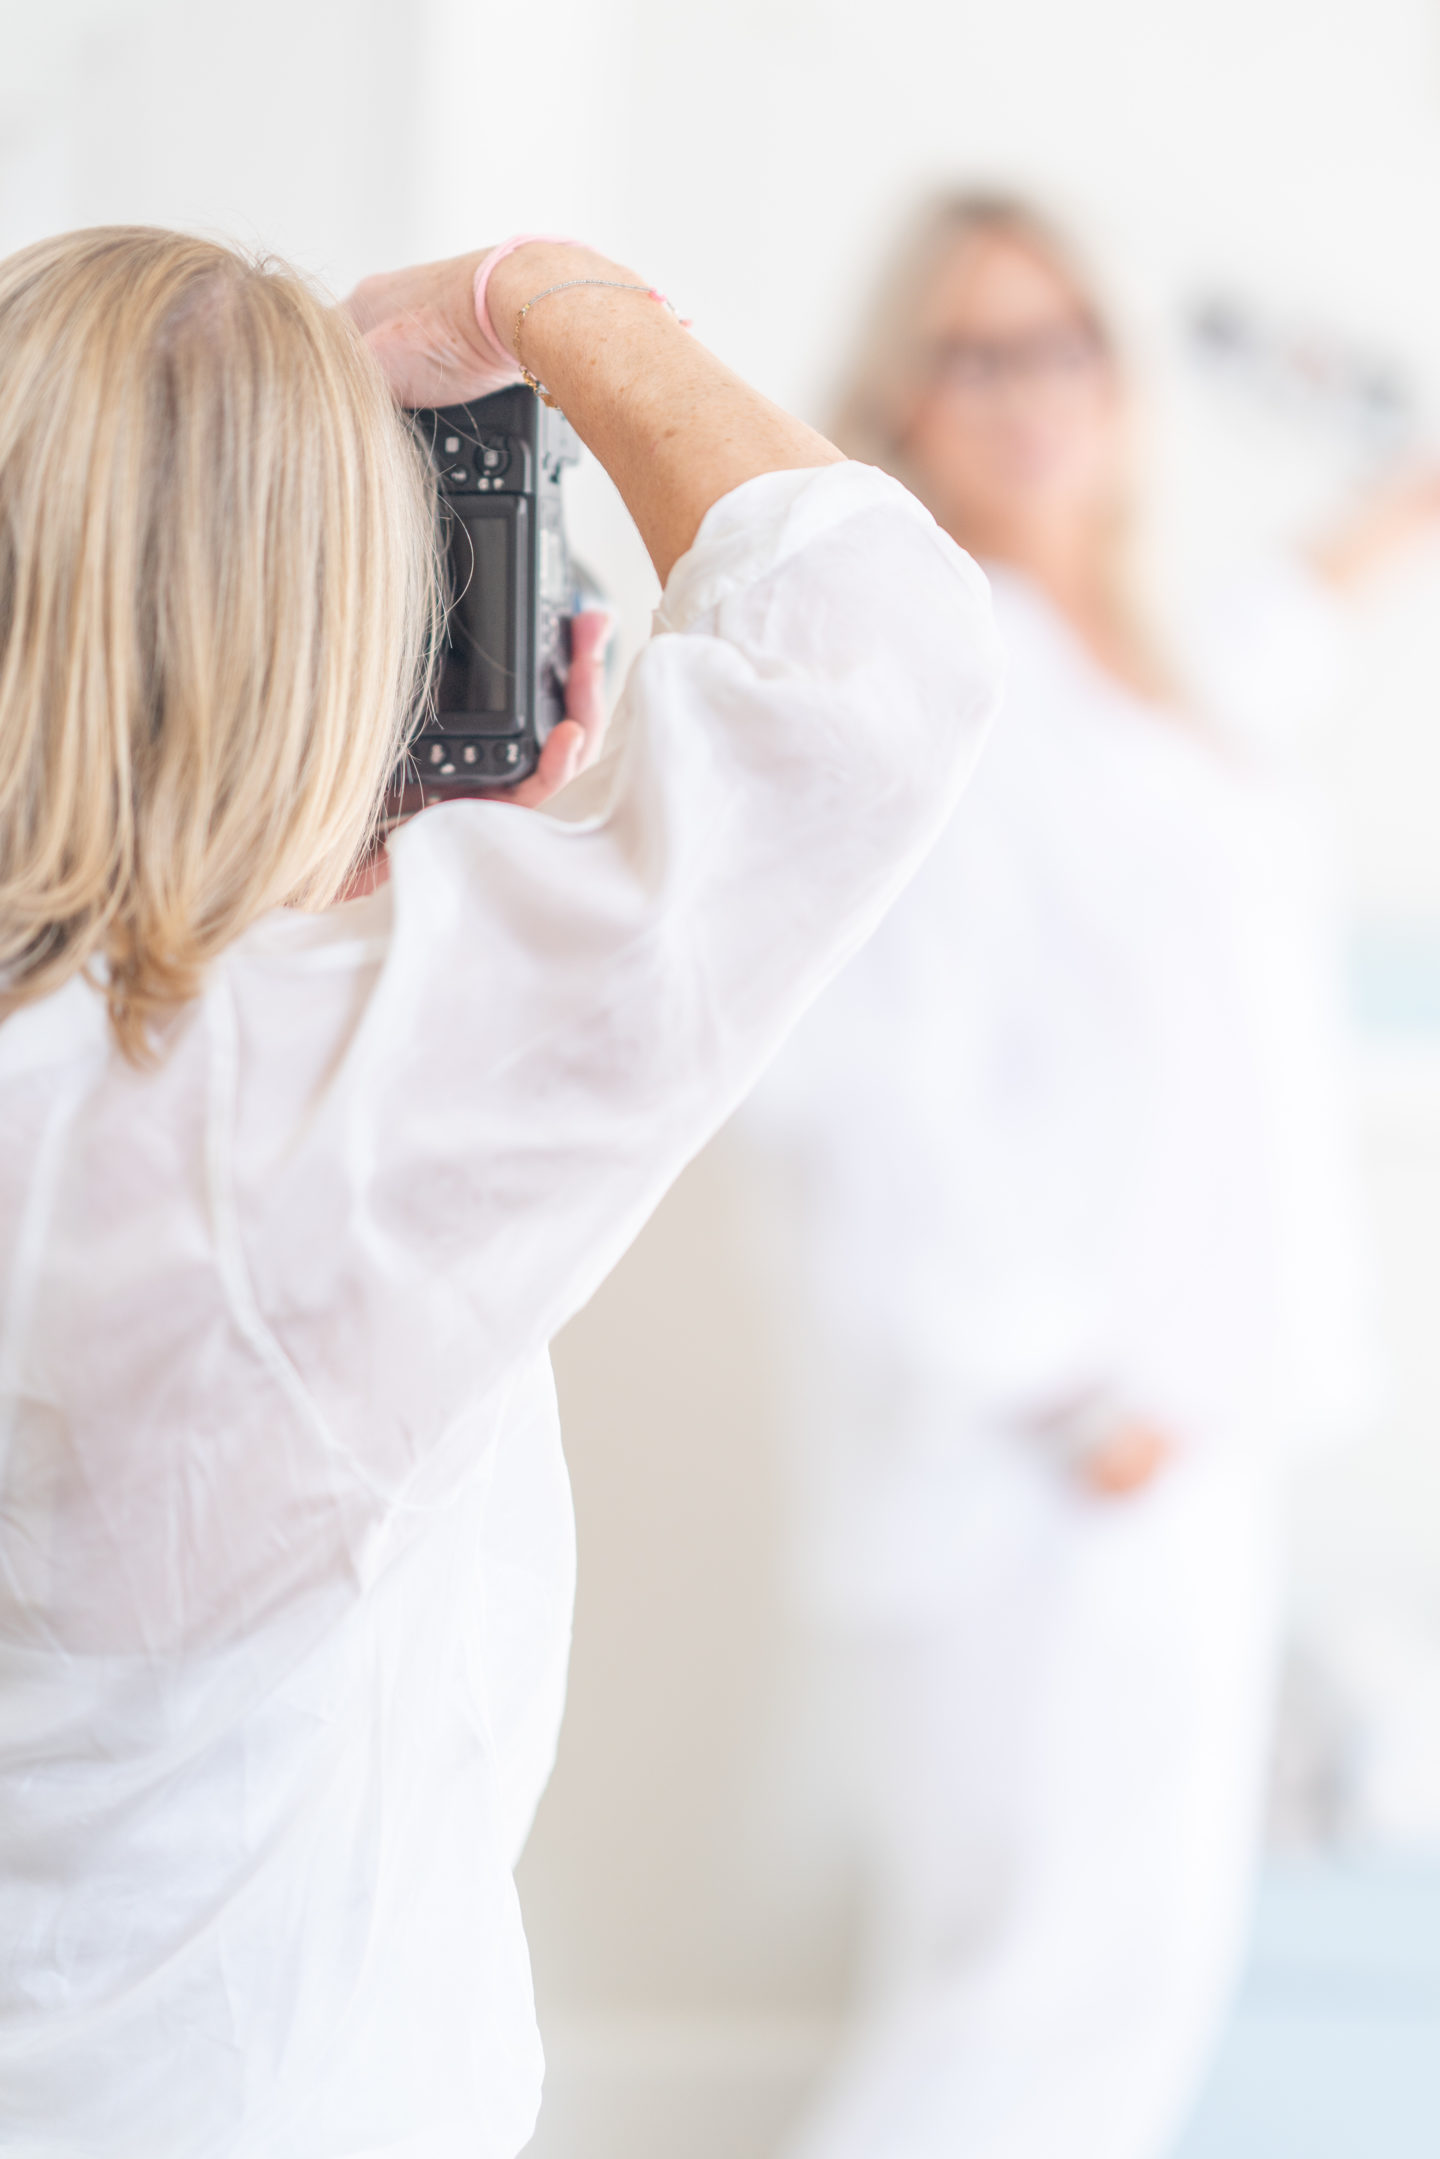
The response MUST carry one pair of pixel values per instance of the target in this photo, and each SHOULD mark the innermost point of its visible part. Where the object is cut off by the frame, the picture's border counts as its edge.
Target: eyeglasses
(975, 366)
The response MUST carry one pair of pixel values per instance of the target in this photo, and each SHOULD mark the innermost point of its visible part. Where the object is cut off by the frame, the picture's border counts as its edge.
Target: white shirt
(1067, 1130)
(285, 1541)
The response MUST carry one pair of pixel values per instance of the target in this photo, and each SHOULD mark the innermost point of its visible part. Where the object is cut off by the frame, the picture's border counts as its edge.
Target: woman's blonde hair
(893, 363)
(217, 594)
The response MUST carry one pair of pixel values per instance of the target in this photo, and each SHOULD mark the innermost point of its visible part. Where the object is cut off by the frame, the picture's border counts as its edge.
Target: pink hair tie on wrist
(484, 322)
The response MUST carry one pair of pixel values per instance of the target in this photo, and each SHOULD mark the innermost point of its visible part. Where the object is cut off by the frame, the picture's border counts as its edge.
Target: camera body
(500, 679)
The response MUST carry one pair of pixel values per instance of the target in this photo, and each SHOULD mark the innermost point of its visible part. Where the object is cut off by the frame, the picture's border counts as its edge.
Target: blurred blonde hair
(890, 364)
(217, 589)
(890, 371)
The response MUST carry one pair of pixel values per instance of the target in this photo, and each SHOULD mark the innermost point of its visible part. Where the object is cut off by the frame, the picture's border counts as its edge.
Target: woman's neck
(1073, 566)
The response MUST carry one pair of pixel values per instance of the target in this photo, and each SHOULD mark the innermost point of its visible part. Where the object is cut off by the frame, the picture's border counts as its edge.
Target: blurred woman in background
(1075, 1248)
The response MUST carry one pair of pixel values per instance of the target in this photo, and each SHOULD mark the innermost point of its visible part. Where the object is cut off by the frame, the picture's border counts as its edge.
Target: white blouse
(285, 1539)
(1068, 1134)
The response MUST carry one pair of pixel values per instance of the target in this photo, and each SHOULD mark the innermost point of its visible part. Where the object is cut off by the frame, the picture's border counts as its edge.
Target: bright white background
(685, 1892)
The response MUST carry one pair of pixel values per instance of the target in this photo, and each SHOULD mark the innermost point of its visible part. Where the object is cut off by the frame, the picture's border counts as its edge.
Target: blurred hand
(420, 324)
(1125, 1460)
(1397, 515)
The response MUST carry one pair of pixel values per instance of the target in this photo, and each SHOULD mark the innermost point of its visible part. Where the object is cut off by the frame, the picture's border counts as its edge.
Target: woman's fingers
(590, 635)
(561, 757)
(420, 324)
(1125, 1461)
(579, 738)
(426, 363)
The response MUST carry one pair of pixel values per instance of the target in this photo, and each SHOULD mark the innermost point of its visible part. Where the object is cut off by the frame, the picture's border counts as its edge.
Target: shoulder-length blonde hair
(891, 360)
(892, 363)
(217, 587)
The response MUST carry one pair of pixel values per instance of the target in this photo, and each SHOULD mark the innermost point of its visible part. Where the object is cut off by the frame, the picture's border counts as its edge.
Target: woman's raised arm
(673, 426)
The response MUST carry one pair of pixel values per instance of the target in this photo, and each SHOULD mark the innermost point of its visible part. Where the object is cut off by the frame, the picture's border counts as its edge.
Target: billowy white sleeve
(564, 1013)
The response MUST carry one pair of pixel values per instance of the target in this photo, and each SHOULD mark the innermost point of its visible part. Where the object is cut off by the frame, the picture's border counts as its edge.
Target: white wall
(688, 1904)
(285, 125)
(1286, 152)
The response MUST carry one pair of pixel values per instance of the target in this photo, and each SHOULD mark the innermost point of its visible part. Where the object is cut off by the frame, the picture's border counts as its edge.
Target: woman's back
(285, 1544)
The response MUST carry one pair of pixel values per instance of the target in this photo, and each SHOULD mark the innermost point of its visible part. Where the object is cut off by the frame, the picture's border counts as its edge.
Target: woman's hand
(674, 429)
(574, 745)
(1107, 1448)
(569, 749)
(1127, 1459)
(420, 324)
(1400, 514)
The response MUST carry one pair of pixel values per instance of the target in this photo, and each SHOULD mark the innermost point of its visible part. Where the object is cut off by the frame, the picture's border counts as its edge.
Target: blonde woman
(294, 1193)
(1074, 1233)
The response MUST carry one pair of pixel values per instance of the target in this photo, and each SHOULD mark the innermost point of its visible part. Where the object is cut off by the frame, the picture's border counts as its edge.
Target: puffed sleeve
(565, 1012)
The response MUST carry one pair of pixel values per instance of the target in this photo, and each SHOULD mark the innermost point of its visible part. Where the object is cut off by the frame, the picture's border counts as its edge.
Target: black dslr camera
(500, 682)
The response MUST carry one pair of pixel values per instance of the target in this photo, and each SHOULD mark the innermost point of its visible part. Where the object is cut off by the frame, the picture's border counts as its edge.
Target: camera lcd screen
(479, 671)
